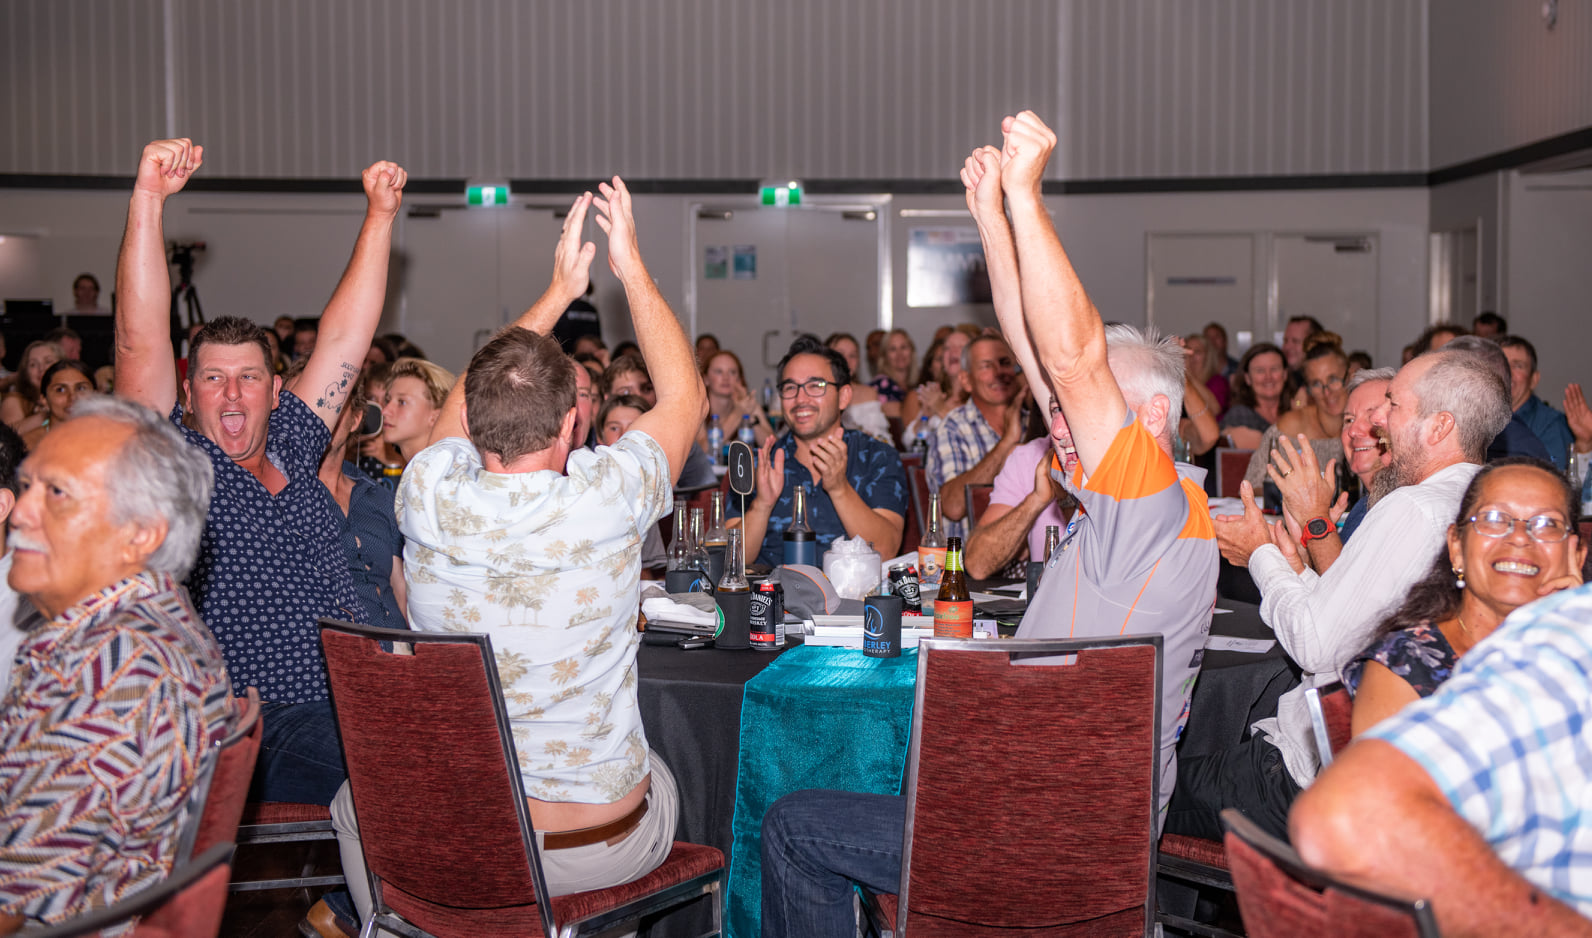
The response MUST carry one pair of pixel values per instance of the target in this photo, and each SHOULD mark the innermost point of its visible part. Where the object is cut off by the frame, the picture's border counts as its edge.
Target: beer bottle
(734, 597)
(931, 549)
(699, 563)
(801, 545)
(953, 606)
(677, 577)
(715, 539)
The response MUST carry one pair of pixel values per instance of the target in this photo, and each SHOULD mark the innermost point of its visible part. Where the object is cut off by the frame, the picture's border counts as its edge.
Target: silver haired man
(117, 695)
(1139, 557)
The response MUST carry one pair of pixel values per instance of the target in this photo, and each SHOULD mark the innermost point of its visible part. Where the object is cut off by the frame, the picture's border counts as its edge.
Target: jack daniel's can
(768, 616)
(904, 583)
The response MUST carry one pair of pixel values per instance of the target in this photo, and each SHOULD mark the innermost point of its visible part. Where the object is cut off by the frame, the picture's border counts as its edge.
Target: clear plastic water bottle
(715, 440)
(920, 438)
(747, 433)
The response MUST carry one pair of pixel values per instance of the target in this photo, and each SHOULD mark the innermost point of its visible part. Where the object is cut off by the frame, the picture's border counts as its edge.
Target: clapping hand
(1306, 490)
(572, 258)
(1239, 536)
(829, 461)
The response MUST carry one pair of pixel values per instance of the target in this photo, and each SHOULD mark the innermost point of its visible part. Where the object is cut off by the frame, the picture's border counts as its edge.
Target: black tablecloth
(1235, 688)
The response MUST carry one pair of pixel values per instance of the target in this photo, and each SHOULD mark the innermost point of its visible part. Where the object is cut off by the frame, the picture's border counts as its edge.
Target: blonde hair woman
(416, 389)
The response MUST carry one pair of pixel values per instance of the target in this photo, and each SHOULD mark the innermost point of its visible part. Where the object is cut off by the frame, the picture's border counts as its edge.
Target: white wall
(270, 255)
(1500, 78)
(1549, 298)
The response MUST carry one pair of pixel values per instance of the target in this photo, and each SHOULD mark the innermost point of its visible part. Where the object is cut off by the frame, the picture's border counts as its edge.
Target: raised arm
(1068, 337)
(350, 318)
(145, 371)
(1375, 818)
(981, 175)
(571, 272)
(682, 400)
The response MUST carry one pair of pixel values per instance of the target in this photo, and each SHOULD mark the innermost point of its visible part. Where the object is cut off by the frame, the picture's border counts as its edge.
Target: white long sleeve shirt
(1324, 620)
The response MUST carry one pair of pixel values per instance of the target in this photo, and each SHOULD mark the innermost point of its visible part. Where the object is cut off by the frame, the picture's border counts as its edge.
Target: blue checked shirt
(1506, 741)
(962, 440)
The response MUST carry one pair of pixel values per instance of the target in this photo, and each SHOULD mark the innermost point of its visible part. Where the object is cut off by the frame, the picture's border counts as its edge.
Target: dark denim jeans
(815, 845)
(301, 755)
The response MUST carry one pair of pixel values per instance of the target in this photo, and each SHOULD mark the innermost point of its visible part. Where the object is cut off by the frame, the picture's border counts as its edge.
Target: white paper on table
(1252, 646)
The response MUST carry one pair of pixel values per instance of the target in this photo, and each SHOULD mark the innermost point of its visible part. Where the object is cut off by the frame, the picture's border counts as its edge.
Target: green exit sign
(789, 194)
(487, 195)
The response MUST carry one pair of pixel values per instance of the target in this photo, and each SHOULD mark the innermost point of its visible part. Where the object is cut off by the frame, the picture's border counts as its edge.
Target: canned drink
(904, 583)
(768, 616)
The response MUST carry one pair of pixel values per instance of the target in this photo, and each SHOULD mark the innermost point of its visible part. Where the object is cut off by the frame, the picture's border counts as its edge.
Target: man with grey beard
(1441, 411)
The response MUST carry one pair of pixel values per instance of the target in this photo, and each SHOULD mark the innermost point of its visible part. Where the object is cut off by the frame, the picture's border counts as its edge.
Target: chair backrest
(1280, 897)
(912, 528)
(918, 488)
(1231, 464)
(1331, 709)
(977, 496)
(1052, 786)
(428, 840)
(186, 904)
(235, 755)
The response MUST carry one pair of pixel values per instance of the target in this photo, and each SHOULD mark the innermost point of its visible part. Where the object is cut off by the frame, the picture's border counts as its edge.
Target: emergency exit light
(782, 195)
(496, 194)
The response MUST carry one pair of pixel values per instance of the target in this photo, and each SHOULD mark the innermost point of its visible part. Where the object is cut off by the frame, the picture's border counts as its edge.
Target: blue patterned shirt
(270, 566)
(872, 468)
(370, 542)
(962, 440)
(1550, 426)
(1505, 741)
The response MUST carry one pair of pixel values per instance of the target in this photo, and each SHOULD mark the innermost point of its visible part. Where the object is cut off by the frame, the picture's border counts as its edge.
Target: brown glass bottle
(953, 605)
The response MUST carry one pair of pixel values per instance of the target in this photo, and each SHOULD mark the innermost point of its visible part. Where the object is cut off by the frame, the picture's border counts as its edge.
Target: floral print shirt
(1420, 655)
(548, 564)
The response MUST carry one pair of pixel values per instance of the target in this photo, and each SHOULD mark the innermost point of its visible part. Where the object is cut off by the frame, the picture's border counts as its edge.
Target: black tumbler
(686, 581)
(736, 608)
(1035, 571)
(716, 561)
(881, 626)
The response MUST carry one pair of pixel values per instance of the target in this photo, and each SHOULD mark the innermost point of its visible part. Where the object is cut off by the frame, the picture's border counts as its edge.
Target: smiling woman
(1513, 542)
(62, 384)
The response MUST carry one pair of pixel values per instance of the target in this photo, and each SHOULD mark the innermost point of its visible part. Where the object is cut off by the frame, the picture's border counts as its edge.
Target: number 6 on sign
(741, 471)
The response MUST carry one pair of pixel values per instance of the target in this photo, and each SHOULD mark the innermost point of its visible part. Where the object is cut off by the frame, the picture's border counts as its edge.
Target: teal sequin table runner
(818, 717)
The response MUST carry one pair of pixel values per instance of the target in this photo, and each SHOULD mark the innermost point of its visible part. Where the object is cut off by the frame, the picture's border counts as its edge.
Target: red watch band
(1306, 537)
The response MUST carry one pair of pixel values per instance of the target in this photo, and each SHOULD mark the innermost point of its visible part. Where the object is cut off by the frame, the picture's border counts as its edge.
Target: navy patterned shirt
(371, 541)
(270, 566)
(873, 469)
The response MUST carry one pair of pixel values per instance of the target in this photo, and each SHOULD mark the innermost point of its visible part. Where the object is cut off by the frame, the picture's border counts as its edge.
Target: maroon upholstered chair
(1231, 464)
(912, 531)
(1331, 710)
(228, 782)
(187, 904)
(1043, 777)
(977, 497)
(918, 490)
(456, 858)
(1280, 897)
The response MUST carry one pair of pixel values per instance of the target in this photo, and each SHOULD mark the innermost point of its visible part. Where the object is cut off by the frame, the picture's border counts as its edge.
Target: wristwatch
(1315, 528)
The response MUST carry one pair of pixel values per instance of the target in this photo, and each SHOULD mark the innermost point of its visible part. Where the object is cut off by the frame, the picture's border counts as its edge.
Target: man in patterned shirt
(271, 562)
(512, 529)
(121, 691)
(856, 486)
(1478, 797)
(972, 444)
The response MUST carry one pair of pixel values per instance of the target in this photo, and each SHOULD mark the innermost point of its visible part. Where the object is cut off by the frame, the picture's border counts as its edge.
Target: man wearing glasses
(1441, 411)
(855, 484)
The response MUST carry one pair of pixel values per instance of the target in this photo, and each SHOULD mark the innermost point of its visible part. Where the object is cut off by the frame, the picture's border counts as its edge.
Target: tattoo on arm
(336, 393)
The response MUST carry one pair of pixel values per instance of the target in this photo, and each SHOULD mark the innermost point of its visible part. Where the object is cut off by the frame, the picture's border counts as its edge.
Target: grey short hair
(1146, 363)
(967, 350)
(155, 476)
(1485, 350)
(1367, 375)
(1462, 384)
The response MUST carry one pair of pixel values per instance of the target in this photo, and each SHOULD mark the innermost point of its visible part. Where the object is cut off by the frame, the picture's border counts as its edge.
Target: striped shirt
(1505, 740)
(109, 711)
(1139, 558)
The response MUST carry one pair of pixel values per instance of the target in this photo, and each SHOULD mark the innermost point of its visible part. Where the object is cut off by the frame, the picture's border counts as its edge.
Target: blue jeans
(815, 845)
(301, 755)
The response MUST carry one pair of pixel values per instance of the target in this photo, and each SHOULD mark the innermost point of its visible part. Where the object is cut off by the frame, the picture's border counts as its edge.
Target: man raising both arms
(270, 562)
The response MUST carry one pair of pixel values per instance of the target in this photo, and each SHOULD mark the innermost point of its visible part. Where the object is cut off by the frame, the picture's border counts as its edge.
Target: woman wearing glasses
(1325, 368)
(1514, 542)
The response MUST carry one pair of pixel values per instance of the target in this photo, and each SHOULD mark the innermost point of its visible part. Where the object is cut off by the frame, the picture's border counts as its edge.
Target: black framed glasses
(1544, 529)
(815, 388)
(1335, 382)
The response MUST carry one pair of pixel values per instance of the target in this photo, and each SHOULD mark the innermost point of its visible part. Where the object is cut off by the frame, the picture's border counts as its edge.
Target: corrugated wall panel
(1500, 78)
(82, 84)
(1160, 88)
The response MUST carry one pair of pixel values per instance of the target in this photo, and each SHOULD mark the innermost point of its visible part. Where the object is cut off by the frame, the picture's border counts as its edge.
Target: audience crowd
(177, 525)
